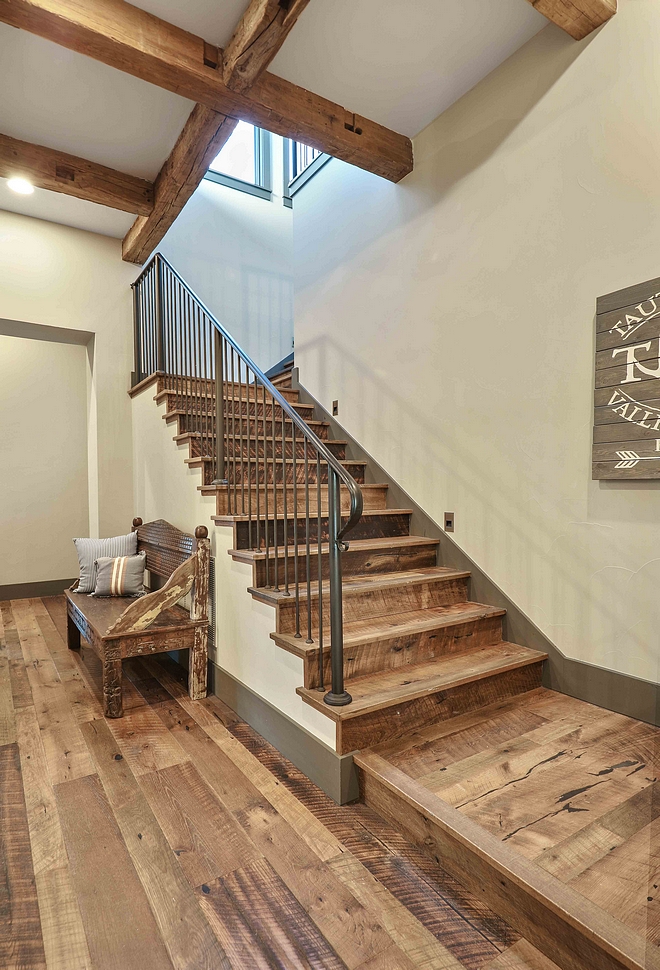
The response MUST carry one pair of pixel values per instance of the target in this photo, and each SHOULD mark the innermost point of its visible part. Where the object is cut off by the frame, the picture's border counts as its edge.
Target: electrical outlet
(335, 408)
(449, 521)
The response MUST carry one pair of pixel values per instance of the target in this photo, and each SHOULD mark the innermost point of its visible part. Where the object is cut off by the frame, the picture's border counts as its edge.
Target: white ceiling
(399, 66)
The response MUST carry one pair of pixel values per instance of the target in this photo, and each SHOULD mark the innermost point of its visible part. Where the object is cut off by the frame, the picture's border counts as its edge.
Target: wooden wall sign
(627, 388)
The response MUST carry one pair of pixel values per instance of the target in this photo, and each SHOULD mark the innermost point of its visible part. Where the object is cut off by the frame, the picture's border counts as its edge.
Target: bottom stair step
(568, 928)
(389, 703)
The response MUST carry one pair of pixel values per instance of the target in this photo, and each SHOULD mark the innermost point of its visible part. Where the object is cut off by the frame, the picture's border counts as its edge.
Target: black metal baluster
(256, 460)
(248, 430)
(265, 466)
(275, 508)
(319, 556)
(296, 581)
(285, 508)
(240, 428)
(308, 564)
(337, 696)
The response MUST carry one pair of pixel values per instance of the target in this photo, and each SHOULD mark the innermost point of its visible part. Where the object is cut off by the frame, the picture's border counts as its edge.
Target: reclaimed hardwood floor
(572, 787)
(176, 837)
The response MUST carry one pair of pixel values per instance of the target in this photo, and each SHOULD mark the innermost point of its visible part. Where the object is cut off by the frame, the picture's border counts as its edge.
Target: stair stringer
(165, 487)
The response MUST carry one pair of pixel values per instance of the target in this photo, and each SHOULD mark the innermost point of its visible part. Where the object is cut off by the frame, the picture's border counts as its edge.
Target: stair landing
(559, 795)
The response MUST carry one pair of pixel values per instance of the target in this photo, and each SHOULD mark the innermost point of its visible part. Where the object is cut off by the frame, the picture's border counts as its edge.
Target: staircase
(408, 650)
(416, 649)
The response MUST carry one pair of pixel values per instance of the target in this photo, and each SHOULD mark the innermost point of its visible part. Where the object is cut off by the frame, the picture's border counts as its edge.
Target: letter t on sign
(632, 362)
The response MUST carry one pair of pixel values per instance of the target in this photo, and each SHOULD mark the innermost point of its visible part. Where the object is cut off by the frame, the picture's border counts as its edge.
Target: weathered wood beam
(47, 168)
(202, 137)
(577, 17)
(259, 35)
(262, 30)
(147, 47)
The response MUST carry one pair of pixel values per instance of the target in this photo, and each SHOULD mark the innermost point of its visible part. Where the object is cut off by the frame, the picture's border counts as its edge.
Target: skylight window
(244, 161)
(238, 155)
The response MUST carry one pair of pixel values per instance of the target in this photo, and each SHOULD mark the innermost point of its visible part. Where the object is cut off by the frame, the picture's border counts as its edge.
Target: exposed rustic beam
(577, 17)
(262, 30)
(47, 168)
(203, 135)
(259, 35)
(147, 47)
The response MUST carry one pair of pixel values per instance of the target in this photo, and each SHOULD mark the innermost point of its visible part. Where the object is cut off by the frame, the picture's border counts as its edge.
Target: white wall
(52, 275)
(236, 252)
(452, 316)
(43, 458)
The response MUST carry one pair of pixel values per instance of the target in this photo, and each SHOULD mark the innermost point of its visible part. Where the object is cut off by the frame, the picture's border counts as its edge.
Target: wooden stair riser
(204, 404)
(391, 653)
(202, 386)
(354, 561)
(364, 604)
(267, 471)
(369, 527)
(264, 472)
(242, 448)
(374, 497)
(251, 427)
(394, 722)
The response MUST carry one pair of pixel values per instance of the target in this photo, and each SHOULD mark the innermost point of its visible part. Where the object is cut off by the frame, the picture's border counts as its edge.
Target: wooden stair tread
(230, 519)
(366, 582)
(197, 434)
(389, 542)
(278, 461)
(554, 916)
(208, 489)
(310, 422)
(395, 625)
(386, 688)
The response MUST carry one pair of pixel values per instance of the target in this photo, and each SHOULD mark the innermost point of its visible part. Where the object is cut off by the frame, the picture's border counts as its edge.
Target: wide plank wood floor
(572, 787)
(177, 837)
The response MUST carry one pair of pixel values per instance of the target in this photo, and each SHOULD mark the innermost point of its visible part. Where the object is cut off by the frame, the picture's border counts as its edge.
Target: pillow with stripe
(121, 576)
(89, 550)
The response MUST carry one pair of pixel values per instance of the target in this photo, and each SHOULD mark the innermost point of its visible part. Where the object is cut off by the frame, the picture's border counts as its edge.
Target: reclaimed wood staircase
(435, 687)
(416, 648)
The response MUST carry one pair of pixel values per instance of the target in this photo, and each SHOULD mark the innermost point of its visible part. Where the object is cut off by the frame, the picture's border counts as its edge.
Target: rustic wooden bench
(118, 627)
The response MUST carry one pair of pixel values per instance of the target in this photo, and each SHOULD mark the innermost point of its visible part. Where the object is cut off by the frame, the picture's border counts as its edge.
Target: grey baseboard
(605, 688)
(23, 591)
(334, 774)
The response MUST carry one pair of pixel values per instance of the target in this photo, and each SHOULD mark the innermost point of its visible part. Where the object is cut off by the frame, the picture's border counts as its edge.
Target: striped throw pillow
(89, 550)
(121, 576)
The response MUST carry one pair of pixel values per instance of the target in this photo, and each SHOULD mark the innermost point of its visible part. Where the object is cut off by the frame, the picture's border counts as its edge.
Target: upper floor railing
(272, 469)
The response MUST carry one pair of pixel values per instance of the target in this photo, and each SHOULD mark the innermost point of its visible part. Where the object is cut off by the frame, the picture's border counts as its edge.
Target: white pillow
(89, 550)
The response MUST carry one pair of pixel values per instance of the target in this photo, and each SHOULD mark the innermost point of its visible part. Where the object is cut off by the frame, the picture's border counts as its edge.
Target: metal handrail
(337, 474)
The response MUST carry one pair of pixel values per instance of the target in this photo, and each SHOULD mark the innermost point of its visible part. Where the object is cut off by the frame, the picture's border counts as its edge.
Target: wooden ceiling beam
(262, 30)
(577, 17)
(202, 137)
(57, 171)
(259, 35)
(132, 40)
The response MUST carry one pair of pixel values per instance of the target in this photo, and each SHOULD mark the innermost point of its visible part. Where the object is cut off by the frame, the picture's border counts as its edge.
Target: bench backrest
(165, 545)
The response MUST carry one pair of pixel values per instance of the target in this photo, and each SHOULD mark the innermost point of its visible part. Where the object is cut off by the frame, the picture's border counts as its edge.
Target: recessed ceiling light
(22, 186)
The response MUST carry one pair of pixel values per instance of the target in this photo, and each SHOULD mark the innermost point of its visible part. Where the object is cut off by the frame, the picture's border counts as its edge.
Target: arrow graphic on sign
(630, 458)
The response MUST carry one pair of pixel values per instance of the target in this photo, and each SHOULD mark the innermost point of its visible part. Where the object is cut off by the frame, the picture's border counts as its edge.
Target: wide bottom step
(570, 929)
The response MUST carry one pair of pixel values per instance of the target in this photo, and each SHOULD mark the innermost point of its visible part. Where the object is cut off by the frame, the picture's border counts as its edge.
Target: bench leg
(72, 634)
(198, 665)
(112, 701)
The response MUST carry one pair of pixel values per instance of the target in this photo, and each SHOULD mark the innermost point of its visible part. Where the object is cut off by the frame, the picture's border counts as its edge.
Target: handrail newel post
(137, 373)
(337, 696)
(220, 471)
(160, 322)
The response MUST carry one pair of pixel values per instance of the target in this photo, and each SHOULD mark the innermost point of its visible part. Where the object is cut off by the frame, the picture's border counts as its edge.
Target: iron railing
(273, 469)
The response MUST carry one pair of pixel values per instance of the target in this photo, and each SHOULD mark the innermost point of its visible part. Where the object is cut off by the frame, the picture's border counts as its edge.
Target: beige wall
(56, 276)
(43, 458)
(452, 317)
